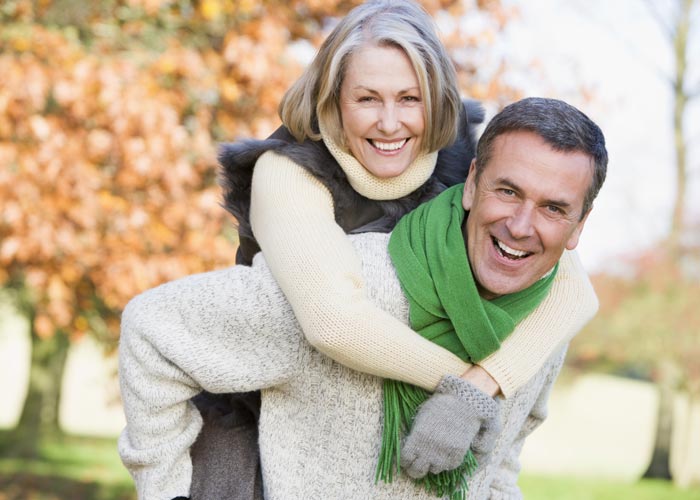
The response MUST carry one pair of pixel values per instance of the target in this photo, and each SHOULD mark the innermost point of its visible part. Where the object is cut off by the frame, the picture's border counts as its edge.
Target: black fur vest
(353, 212)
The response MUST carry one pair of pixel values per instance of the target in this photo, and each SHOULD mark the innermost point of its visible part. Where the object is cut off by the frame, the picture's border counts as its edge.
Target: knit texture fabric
(438, 441)
(320, 423)
(376, 188)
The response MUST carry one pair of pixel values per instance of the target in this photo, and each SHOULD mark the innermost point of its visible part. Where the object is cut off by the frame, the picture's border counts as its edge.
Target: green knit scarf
(427, 248)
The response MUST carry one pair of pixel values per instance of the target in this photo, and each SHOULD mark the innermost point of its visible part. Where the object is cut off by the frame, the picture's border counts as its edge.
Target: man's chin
(503, 285)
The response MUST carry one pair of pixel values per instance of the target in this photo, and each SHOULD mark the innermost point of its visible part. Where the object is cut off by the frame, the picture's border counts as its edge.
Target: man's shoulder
(370, 245)
(371, 248)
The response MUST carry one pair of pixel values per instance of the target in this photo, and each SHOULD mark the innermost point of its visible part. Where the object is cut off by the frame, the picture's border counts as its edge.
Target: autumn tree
(679, 21)
(110, 116)
(648, 327)
(648, 323)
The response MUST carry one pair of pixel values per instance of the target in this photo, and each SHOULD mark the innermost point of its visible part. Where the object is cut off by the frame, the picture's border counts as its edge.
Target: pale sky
(616, 50)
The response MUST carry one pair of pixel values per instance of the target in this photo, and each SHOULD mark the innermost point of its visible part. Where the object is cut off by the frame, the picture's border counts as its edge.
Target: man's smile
(508, 252)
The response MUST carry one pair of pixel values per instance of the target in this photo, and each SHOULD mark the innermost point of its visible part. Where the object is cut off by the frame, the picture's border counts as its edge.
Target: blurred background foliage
(648, 320)
(110, 116)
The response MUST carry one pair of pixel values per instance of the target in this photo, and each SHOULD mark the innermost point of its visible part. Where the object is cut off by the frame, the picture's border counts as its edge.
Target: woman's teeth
(388, 146)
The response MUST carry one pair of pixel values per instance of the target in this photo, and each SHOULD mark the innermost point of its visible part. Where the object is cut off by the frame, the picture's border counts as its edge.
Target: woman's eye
(411, 98)
(367, 98)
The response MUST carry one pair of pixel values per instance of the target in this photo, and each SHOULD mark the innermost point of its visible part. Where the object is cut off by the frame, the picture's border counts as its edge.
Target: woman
(359, 148)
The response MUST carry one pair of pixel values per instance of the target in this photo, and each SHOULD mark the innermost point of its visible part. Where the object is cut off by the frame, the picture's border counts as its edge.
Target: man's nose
(520, 223)
(389, 121)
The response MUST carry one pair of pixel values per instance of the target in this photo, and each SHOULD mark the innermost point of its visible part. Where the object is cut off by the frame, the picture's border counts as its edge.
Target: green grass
(72, 468)
(67, 468)
(569, 488)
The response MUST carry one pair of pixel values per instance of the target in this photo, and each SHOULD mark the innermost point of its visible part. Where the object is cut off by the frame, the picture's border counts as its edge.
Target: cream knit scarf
(376, 188)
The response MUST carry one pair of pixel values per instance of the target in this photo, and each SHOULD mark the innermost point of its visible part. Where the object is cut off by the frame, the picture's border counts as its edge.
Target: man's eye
(508, 192)
(554, 209)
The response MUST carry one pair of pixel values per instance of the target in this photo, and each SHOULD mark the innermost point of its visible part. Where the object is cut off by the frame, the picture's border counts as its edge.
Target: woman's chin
(387, 169)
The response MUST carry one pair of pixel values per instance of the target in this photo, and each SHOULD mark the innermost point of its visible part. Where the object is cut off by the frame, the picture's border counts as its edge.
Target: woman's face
(381, 109)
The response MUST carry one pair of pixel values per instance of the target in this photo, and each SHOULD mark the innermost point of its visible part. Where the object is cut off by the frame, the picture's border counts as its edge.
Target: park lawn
(572, 488)
(68, 467)
(73, 468)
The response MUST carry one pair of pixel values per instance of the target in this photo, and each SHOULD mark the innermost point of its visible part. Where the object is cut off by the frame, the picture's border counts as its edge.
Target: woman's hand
(457, 417)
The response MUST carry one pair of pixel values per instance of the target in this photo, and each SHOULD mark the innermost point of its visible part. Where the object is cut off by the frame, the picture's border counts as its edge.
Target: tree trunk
(667, 383)
(680, 98)
(39, 419)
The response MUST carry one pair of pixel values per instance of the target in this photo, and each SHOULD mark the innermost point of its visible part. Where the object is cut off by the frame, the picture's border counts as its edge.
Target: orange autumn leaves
(108, 181)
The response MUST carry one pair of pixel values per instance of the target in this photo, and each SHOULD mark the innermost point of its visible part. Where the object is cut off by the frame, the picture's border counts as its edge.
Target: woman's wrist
(480, 378)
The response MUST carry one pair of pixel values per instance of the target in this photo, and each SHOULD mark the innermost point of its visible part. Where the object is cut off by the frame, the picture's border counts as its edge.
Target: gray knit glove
(447, 424)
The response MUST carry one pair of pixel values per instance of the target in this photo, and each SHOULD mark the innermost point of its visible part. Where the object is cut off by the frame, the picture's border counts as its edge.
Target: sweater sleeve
(182, 337)
(505, 482)
(570, 304)
(292, 217)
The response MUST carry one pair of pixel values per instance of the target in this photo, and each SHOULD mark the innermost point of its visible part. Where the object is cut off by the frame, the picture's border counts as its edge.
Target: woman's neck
(378, 188)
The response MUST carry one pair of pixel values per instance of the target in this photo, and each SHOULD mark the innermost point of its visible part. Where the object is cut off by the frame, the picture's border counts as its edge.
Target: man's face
(524, 211)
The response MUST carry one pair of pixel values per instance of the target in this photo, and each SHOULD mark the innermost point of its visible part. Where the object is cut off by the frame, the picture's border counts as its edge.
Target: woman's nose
(388, 121)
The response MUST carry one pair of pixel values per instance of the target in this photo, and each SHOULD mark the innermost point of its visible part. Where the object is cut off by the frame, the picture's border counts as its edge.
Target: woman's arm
(316, 267)
(292, 217)
(570, 304)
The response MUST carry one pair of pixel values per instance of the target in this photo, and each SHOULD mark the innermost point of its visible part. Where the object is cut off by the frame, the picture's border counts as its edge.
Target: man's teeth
(510, 252)
(389, 146)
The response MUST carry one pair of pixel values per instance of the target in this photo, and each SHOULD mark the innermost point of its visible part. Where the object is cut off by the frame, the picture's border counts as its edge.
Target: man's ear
(572, 242)
(469, 187)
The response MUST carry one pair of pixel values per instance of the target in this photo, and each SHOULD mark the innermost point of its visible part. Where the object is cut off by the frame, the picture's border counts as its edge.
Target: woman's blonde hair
(403, 24)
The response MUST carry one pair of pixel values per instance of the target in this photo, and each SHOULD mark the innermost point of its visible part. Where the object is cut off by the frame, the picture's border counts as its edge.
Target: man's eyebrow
(504, 181)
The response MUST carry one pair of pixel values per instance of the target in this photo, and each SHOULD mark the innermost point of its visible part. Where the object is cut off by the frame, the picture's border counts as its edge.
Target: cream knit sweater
(292, 217)
(320, 425)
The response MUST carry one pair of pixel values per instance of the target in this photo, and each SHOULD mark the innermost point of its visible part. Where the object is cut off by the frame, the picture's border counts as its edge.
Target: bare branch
(653, 8)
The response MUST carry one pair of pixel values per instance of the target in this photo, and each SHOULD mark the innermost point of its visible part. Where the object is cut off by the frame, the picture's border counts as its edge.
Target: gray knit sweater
(320, 426)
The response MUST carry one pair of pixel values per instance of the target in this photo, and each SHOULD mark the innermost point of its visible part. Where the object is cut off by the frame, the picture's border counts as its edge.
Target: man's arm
(224, 331)
(504, 485)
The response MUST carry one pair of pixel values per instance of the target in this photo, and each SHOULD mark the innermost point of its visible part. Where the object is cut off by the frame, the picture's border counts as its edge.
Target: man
(539, 165)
